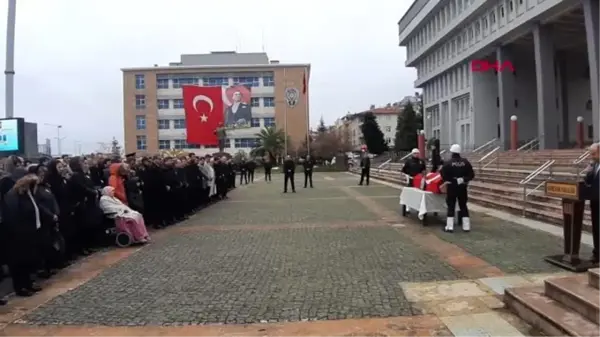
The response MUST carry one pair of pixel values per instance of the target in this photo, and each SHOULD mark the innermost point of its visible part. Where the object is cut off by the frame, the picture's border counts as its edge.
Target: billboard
(11, 136)
(238, 109)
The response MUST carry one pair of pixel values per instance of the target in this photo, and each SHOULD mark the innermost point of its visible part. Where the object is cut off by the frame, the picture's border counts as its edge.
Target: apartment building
(387, 118)
(154, 118)
(552, 45)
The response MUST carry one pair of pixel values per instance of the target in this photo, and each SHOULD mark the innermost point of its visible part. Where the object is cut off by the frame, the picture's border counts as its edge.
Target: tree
(322, 128)
(372, 134)
(327, 145)
(239, 156)
(271, 142)
(406, 129)
(420, 111)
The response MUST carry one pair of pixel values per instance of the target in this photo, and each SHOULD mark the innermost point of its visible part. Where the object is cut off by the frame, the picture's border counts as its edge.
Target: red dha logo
(479, 66)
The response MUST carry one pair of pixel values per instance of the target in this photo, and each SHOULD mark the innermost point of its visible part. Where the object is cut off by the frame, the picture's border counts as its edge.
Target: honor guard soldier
(413, 166)
(308, 165)
(457, 173)
(289, 167)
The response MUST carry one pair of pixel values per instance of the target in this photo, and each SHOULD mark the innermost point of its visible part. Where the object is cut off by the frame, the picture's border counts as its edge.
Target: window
(164, 144)
(245, 142)
(511, 6)
(268, 81)
(178, 82)
(140, 122)
(163, 124)
(216, 81)
(247, 81)
(179, 123)
(178, 104)
(193, 146)
(255, 122)
(179, 144)
(269, 101)
(211, 146)
(162, 103)
(140, 102)
(162, 83)
(255, 101)
(501, 11)
(140, 142)
(140, 82)
(493, 18)
(388, 129)
(269, 121)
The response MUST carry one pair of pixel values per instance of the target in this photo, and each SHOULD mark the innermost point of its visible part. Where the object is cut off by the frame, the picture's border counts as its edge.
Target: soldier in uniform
(457, 173)
(268, 167)
(243, 172)
(251, 166)
(308, 165)
(289, 167)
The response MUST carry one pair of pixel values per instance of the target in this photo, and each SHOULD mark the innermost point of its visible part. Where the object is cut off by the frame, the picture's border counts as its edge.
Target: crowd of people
(58, 209)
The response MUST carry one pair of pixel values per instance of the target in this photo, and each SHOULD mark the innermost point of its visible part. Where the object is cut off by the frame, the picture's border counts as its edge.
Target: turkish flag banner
(203, 113)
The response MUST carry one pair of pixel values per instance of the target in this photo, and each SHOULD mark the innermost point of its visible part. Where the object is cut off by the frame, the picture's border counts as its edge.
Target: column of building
(546, 87)
(591, 12)
(506, 95)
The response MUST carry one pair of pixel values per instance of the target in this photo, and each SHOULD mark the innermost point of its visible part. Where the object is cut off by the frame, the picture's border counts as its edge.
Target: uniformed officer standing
(413, 166)
(289, 167)
(308, 165)
(243, 166)
(365, 167)
(457, 173)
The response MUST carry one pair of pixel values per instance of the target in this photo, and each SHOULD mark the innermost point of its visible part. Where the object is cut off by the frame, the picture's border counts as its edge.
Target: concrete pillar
(546, 87)
(514, 133)
(591, 12)
(506, 95)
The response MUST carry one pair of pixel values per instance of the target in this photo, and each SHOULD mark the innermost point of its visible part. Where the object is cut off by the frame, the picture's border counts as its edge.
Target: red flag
(203, 113)
(304, 83)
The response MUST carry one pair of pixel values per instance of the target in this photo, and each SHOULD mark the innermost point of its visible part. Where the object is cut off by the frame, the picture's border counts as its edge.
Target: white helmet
(455, 149)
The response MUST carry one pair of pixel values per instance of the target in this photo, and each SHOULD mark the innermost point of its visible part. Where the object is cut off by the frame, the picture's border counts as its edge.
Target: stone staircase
(562, 306)
(500, 185)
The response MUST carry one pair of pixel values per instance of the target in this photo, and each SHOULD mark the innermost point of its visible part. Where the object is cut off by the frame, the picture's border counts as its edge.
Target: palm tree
(270, 141)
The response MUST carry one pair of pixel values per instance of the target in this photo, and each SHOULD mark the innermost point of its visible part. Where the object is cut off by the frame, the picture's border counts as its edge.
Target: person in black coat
(268, 165)
(592, 180)
(84, 200)
(365, 168)
(413, 166)
(56, 179)
(436, 158)
(243, 166)
(251, 165)
(308, 165)
(221, 177)
(289, 168)
(133, 191)
(22, 219)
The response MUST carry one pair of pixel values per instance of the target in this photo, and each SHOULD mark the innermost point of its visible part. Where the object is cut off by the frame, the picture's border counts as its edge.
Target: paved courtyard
(265, 263)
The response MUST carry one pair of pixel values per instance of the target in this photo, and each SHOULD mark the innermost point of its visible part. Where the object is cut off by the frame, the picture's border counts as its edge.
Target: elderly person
(592, 179)
(126, 219)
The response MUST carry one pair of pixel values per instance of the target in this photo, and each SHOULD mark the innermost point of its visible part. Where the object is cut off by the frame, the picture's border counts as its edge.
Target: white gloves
(460, 181)
(407, 178)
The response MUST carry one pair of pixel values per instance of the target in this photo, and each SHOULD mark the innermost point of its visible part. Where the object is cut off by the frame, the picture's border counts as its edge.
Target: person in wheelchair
(126, 219)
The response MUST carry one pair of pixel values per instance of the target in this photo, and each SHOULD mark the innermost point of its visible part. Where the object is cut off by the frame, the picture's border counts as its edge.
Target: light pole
(9, 71)
(58, 138)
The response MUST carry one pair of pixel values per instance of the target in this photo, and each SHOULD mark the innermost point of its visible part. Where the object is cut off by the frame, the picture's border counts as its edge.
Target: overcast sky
(69, 53)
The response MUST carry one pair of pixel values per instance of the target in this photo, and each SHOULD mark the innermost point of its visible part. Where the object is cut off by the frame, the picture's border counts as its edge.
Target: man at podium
(592, 180)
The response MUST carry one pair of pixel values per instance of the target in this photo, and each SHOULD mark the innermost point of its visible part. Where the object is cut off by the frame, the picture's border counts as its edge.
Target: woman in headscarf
(126, 219)
(22, 218)
(56, 179)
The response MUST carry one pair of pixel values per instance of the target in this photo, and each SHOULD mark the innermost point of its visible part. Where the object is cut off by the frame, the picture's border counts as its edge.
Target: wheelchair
(121, 239)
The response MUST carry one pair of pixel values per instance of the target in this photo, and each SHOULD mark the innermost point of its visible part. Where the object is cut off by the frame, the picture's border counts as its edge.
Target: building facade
(349, 126)
(154, 118)
(552, 45)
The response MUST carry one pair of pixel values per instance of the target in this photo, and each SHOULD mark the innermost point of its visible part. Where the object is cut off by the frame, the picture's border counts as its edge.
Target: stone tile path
(333, 260)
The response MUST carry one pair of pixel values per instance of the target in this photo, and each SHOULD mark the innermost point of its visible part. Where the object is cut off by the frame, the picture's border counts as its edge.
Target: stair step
(547, 315)
(594, 277)
(575, 293)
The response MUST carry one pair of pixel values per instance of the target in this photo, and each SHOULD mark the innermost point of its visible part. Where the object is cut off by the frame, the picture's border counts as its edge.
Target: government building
(554, 50)
(154, 118)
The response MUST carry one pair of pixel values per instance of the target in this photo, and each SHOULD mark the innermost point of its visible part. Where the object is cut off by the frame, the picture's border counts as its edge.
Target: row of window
(456, 79)
(178, 103)
(471, 34)
(140, 102)
(164, 124)
(180, 144)
(176, 81)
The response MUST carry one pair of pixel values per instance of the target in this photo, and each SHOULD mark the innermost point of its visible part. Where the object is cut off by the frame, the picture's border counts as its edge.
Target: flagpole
(10, 59)
(305, 93)
(285, 115)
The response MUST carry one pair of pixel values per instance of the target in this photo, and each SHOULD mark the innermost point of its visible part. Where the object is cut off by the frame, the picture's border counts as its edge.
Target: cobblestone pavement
(511, 247)
(272, 275)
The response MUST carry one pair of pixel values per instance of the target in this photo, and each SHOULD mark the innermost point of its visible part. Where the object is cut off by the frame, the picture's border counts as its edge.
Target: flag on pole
(203, 113)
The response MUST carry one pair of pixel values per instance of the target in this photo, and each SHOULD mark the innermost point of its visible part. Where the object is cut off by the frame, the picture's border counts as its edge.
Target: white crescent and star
(200, 98)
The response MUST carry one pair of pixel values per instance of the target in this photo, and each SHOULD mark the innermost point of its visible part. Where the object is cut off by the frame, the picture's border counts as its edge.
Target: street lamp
(9, 71)
(58, 138)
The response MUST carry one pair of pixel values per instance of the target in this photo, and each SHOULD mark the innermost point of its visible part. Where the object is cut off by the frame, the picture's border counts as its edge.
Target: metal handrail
(489, 154)
(581, 158)
(489, 163)
(491, 142)
(406, 157)
(537, 171)
(529, 145)
(384, 163)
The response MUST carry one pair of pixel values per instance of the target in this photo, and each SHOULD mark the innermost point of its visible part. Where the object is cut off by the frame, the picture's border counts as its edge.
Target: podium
(573, 195)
